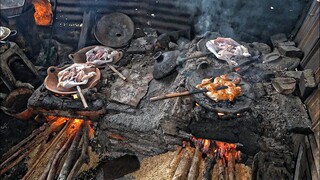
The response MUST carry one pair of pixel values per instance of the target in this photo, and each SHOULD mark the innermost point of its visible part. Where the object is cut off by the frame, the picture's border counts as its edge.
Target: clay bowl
(51, 80)
(80, 56)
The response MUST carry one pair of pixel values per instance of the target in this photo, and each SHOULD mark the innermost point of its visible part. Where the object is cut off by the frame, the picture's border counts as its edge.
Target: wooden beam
(86, 24)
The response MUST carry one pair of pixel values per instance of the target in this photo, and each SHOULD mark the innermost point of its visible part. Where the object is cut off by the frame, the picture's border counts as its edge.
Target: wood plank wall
(307, 40)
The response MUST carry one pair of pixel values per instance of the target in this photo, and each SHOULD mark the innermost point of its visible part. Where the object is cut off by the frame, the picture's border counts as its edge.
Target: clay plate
(51, 80)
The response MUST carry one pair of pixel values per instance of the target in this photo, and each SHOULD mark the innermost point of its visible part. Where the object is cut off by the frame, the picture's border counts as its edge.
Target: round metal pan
(114, 30)
(240, 104)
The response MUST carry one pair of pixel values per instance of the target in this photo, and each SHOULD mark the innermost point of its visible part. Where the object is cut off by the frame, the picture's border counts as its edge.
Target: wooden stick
(48, 167)
(175, 161)
(209, 163)
(71, 156)
(17, 147)
(231, 165)
(184, 165)
(194, 169)
(116, 71)
(84, 153)
(83, 100)
(15, 162)
(60, 154)
(185, 93)
(56, 139)
(221, 169)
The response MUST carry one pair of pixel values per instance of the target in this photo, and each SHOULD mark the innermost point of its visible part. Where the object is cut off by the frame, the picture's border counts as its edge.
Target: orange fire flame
(74, 127)
(220, 150)
(43, 12)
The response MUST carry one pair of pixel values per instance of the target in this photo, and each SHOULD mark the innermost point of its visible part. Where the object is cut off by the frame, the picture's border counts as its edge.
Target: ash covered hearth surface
(172, 104)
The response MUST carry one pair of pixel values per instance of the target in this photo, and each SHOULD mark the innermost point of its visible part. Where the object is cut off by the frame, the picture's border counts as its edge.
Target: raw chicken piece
(101, 55)
(74, 76)
(226, 48)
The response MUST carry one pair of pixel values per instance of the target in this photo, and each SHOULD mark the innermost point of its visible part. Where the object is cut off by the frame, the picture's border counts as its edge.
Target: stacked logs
(58, 149)
(188, 163)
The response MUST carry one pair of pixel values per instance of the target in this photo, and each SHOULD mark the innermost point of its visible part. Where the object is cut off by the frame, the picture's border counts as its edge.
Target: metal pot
(6, 32)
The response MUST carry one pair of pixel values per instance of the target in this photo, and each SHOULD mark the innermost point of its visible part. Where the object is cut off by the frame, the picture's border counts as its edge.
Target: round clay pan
(51, 80)
(80, 56)
(240, 103)
(114, 30)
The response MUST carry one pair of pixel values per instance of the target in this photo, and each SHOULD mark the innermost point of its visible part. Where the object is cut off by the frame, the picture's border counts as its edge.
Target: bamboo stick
(83, 100)
(116, 71)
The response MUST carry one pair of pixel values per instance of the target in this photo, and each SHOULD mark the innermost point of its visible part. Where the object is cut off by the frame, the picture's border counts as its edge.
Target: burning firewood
(194, 169)
(175, 161)
(84, 153)
(209, 162)
(30, 142)
(54, 142)
(184, 165)
(71, 156)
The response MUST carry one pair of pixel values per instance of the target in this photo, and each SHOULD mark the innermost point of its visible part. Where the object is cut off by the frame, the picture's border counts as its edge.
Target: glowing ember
(218, 149)
(43, 12)
(237, 69)
(91, 130)
(75, 126)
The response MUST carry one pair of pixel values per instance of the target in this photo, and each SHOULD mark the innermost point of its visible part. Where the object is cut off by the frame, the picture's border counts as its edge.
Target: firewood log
(175, 161)
(184, 165)
(194, 169)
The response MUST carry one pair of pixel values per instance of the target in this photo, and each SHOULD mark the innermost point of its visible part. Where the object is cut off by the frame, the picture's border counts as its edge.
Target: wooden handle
(84, 102)
(116, 71)
(185, 93)
(171, 95)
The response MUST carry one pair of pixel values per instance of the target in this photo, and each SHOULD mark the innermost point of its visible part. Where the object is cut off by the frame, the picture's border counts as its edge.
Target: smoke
(254, 20)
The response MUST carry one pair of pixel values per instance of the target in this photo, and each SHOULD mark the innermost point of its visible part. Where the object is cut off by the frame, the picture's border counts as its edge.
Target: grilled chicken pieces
(225, 94)
(74, 76)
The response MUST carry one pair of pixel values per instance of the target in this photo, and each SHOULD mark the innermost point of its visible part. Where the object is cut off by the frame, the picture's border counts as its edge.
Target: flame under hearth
(220, 150)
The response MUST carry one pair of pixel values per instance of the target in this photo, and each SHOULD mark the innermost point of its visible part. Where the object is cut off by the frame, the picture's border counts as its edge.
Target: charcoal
(262, 47)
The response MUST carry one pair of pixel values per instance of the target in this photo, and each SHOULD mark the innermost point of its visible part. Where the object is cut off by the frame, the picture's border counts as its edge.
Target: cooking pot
(6, 32)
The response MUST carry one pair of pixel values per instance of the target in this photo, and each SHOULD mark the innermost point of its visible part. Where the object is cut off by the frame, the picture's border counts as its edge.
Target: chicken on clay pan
(229, 93)
(74, 76)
